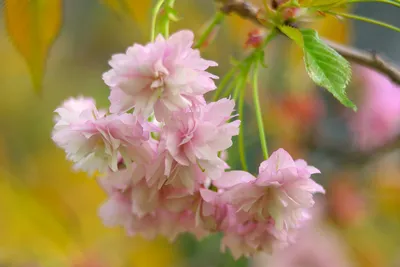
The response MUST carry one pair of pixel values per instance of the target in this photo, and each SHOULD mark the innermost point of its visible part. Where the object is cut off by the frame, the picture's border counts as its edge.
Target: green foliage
(33, 34)
(324, 65)
(294, 34)
(323, 3)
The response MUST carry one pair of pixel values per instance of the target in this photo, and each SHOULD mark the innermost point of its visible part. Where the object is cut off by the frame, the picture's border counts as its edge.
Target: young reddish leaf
(32, 26)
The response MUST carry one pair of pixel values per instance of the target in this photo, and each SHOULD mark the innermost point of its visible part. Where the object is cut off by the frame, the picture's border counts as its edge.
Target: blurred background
(48, 214)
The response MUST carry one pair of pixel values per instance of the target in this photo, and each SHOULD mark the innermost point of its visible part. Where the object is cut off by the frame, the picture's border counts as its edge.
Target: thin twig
(249, 11)
(369, 59)
(344, 156)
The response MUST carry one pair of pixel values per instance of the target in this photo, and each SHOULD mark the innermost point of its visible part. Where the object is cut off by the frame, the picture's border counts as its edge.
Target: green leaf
(293, 34)
(326, 67)
(172, 14)
(323, 3)
(32, 26)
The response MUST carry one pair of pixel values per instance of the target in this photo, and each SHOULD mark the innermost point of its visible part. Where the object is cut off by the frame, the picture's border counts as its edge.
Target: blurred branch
(247, 10)
(343, 156)
(371, 60)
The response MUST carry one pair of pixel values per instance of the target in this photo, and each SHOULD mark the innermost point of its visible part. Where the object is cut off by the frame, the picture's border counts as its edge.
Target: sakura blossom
(167, 74)
(283, 190)
(250, 238)
(145, 210)
(94, 140)
(163, 165)
(196, 135)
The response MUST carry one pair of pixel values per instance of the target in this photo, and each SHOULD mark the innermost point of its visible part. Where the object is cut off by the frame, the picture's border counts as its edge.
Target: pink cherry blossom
(196, 135)
(378, 118)
(283, 191)
(95, 141)
(251, 237)
(117, 210)
(163, 166)
(140, 210)
(166, 73)
(214, 214)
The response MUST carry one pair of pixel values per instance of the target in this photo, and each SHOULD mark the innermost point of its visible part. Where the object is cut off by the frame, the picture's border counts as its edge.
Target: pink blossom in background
(167, 73)
(316, 245)
(378, 118)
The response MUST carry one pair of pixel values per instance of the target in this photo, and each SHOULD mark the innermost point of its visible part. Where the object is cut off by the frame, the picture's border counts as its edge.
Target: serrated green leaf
(293, 34)
(326, 67)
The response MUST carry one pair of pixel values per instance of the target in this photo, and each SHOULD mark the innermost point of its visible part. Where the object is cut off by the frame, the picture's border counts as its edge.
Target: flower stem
(154, 14)
(256, 98)
(257, 109)
(169, 4)
(224, 82)
(242, 154)
(372, 21)
(216, 20)
(229, 90)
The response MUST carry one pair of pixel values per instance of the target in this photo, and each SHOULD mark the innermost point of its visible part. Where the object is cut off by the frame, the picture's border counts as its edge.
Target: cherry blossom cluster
(158, 151)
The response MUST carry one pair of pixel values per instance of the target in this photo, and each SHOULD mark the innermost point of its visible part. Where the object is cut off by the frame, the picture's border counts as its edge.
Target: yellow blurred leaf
(138, 10)
(49, 217)
(26, 223)
(33, 26)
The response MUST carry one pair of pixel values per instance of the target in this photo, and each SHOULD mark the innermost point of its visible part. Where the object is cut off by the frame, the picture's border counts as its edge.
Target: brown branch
(371, 60)
(248, 11)
(343, 156)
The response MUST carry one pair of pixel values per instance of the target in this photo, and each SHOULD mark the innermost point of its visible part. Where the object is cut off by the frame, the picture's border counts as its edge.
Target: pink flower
(282, 191)
(196, 135)
(251, 237)
(141, 210)
(95, 141)
(77, 110)
(166, 73)
(165, 223)
(378, 118)
(117, 210)
(211, 213)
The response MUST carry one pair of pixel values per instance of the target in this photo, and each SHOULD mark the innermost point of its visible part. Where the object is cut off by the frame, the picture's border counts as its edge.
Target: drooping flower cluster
(161, 164)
